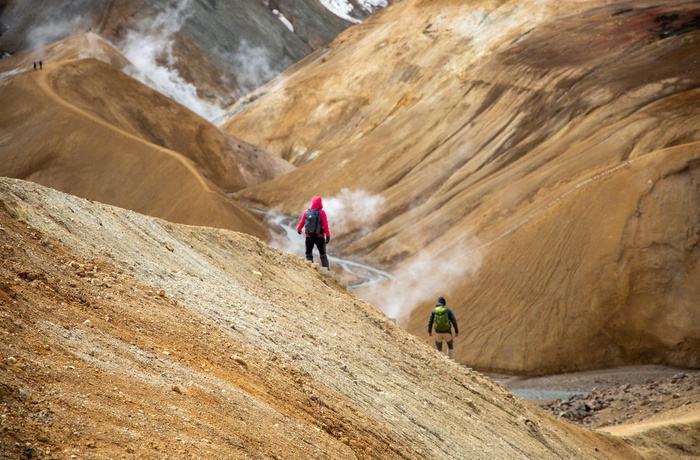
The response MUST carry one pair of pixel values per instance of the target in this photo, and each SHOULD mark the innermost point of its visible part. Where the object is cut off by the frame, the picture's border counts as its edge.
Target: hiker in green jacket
(443, 319)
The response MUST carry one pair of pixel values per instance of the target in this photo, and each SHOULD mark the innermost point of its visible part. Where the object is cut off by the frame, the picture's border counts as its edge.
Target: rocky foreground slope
(129, 336)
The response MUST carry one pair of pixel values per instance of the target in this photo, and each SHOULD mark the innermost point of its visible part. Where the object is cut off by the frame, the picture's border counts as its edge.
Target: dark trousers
(320, 243)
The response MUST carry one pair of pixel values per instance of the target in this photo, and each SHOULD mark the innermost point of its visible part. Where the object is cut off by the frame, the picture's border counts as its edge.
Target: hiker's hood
(316, 203)
(441, 302)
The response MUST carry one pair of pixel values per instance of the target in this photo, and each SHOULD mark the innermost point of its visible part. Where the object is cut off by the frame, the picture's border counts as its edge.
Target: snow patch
(343, 8)
(278, 14)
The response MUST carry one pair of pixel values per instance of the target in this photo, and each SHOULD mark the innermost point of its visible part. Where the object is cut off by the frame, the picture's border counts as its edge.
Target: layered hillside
(535, 163)
(149, 153)
(129, 335)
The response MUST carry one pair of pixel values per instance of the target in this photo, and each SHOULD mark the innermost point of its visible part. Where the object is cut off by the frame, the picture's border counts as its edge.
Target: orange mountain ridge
(537, 165)
(493, 145)
(100, 134)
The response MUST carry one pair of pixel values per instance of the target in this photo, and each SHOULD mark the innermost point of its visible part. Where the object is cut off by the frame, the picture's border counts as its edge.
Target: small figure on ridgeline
(314, 222)
(443, 319)
(34, 65)
(41, 65)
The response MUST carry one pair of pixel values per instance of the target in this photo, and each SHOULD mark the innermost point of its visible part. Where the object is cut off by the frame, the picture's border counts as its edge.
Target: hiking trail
(42, 79)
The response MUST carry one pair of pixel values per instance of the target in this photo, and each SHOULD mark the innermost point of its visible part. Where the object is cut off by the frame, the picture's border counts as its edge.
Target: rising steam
(355, 211)
(254, 66)
(52, 30)
(149, 48)
(424, 278)
(428, 274)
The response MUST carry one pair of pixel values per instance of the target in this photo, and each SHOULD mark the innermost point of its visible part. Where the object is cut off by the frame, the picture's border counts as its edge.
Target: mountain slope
(85, 128)
(128, 335)
(479, 128)
(225, 49)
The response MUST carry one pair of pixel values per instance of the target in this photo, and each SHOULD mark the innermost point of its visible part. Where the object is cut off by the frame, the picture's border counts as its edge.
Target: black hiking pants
(320, 243)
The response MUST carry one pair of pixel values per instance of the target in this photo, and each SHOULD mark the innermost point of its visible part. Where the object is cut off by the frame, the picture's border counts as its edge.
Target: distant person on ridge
(443, 319)
(314, 222)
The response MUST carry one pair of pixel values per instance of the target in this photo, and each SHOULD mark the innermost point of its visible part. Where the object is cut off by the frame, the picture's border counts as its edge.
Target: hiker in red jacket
(314, 222)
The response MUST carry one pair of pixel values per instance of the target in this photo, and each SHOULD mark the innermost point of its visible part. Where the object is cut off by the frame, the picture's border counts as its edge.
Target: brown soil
(129, 337)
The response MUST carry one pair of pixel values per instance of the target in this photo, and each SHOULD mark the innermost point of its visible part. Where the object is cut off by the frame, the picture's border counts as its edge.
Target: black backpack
(312, 224)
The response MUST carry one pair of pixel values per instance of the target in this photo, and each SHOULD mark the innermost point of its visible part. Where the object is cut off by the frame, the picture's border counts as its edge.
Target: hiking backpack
(442, 320)
(312, 224)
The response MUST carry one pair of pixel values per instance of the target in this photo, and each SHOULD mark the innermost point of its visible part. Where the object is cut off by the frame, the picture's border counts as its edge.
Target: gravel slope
(127, 336)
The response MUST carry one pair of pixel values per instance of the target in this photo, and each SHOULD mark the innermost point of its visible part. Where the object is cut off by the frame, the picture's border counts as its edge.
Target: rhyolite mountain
(128, 144)
(534, 163)
(125, 335)
(223, 48)
(537, 164)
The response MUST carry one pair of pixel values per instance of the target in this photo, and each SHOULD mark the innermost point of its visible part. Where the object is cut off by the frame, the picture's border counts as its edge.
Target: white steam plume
(51, 30)
(352, 209)
(284, 234)
(254, 66)
(149, 48)
(428, 274)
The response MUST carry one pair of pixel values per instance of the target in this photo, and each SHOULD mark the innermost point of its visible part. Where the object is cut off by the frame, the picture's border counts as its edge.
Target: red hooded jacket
(316, 203)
